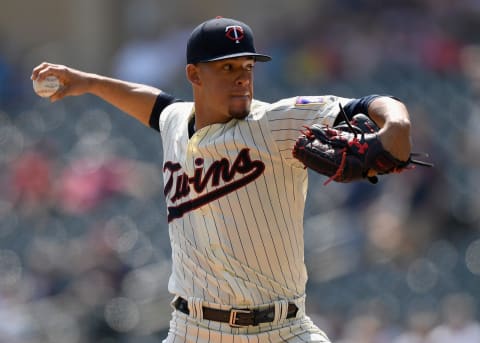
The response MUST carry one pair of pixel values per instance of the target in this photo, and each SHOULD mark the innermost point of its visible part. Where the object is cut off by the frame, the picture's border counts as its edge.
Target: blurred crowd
(84, 248)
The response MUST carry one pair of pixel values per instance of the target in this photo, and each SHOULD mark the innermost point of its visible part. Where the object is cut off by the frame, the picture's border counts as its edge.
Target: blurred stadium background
(84, 249)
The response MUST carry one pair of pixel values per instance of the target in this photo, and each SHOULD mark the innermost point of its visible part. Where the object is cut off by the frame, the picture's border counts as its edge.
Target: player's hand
(396, 140)
(73, 82)
(392, 117)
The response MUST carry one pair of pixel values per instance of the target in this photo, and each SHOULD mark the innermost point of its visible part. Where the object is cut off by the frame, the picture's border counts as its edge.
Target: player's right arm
(135, 99)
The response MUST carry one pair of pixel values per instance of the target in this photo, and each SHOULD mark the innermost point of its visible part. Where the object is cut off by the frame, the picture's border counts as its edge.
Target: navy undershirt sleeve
(162, 101)
(359, 105)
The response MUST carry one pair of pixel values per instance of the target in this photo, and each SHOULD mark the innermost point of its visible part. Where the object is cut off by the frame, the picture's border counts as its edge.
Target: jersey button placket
(191, 154)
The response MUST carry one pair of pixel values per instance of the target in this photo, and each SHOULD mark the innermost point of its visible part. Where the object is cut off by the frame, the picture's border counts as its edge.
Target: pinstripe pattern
(235, 198)
(185, 329)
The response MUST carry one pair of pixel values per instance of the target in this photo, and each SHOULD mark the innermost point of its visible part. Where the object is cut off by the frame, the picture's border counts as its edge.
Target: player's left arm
(392, 116)
(359, 146)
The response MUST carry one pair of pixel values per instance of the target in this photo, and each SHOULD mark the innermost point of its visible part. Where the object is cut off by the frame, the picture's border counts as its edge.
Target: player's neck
(207, 116)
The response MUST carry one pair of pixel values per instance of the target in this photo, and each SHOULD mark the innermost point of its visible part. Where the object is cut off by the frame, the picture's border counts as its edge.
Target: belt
(236, 317)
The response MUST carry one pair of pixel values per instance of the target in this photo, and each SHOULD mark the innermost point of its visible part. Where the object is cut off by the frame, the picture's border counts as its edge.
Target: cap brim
(257, 57)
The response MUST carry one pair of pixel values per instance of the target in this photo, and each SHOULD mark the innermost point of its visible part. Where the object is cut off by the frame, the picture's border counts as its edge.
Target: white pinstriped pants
(193, 329)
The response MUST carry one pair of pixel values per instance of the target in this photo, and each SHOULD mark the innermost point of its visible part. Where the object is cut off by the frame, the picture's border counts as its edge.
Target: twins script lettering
(179, 184)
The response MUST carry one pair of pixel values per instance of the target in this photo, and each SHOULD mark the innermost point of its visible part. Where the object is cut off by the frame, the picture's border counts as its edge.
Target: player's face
(227, 85)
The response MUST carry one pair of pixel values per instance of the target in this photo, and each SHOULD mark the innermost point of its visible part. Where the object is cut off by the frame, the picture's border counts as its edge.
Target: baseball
(47, 87)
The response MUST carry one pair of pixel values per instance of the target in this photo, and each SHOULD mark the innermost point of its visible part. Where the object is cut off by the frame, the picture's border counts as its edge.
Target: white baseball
(47, 87)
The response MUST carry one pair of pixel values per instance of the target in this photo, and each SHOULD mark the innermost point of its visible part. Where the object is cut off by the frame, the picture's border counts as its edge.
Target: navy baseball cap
(221, 38)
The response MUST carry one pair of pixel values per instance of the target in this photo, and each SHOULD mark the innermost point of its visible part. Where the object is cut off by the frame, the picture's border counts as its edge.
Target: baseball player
(235, 195)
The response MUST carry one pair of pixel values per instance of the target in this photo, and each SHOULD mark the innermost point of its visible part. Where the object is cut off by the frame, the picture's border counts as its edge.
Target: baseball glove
(348, 151)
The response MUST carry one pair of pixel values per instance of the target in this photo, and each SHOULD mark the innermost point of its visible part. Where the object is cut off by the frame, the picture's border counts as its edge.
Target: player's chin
(238, 114)
(240, 110)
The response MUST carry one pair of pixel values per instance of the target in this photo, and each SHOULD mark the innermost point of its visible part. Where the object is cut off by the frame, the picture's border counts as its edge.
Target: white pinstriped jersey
(235, 199)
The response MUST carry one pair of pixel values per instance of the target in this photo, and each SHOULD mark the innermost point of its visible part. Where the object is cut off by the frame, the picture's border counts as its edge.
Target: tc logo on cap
(235, 33)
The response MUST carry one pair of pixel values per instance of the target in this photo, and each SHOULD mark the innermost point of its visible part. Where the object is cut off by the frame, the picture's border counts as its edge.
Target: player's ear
(192, 74)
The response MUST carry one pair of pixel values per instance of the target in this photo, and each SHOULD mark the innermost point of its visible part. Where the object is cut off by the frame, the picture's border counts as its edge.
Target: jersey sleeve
(360, 105)
(162, 101)
(288, 117)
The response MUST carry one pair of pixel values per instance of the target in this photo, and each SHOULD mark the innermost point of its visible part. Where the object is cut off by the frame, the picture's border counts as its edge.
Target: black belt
(237, 317)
